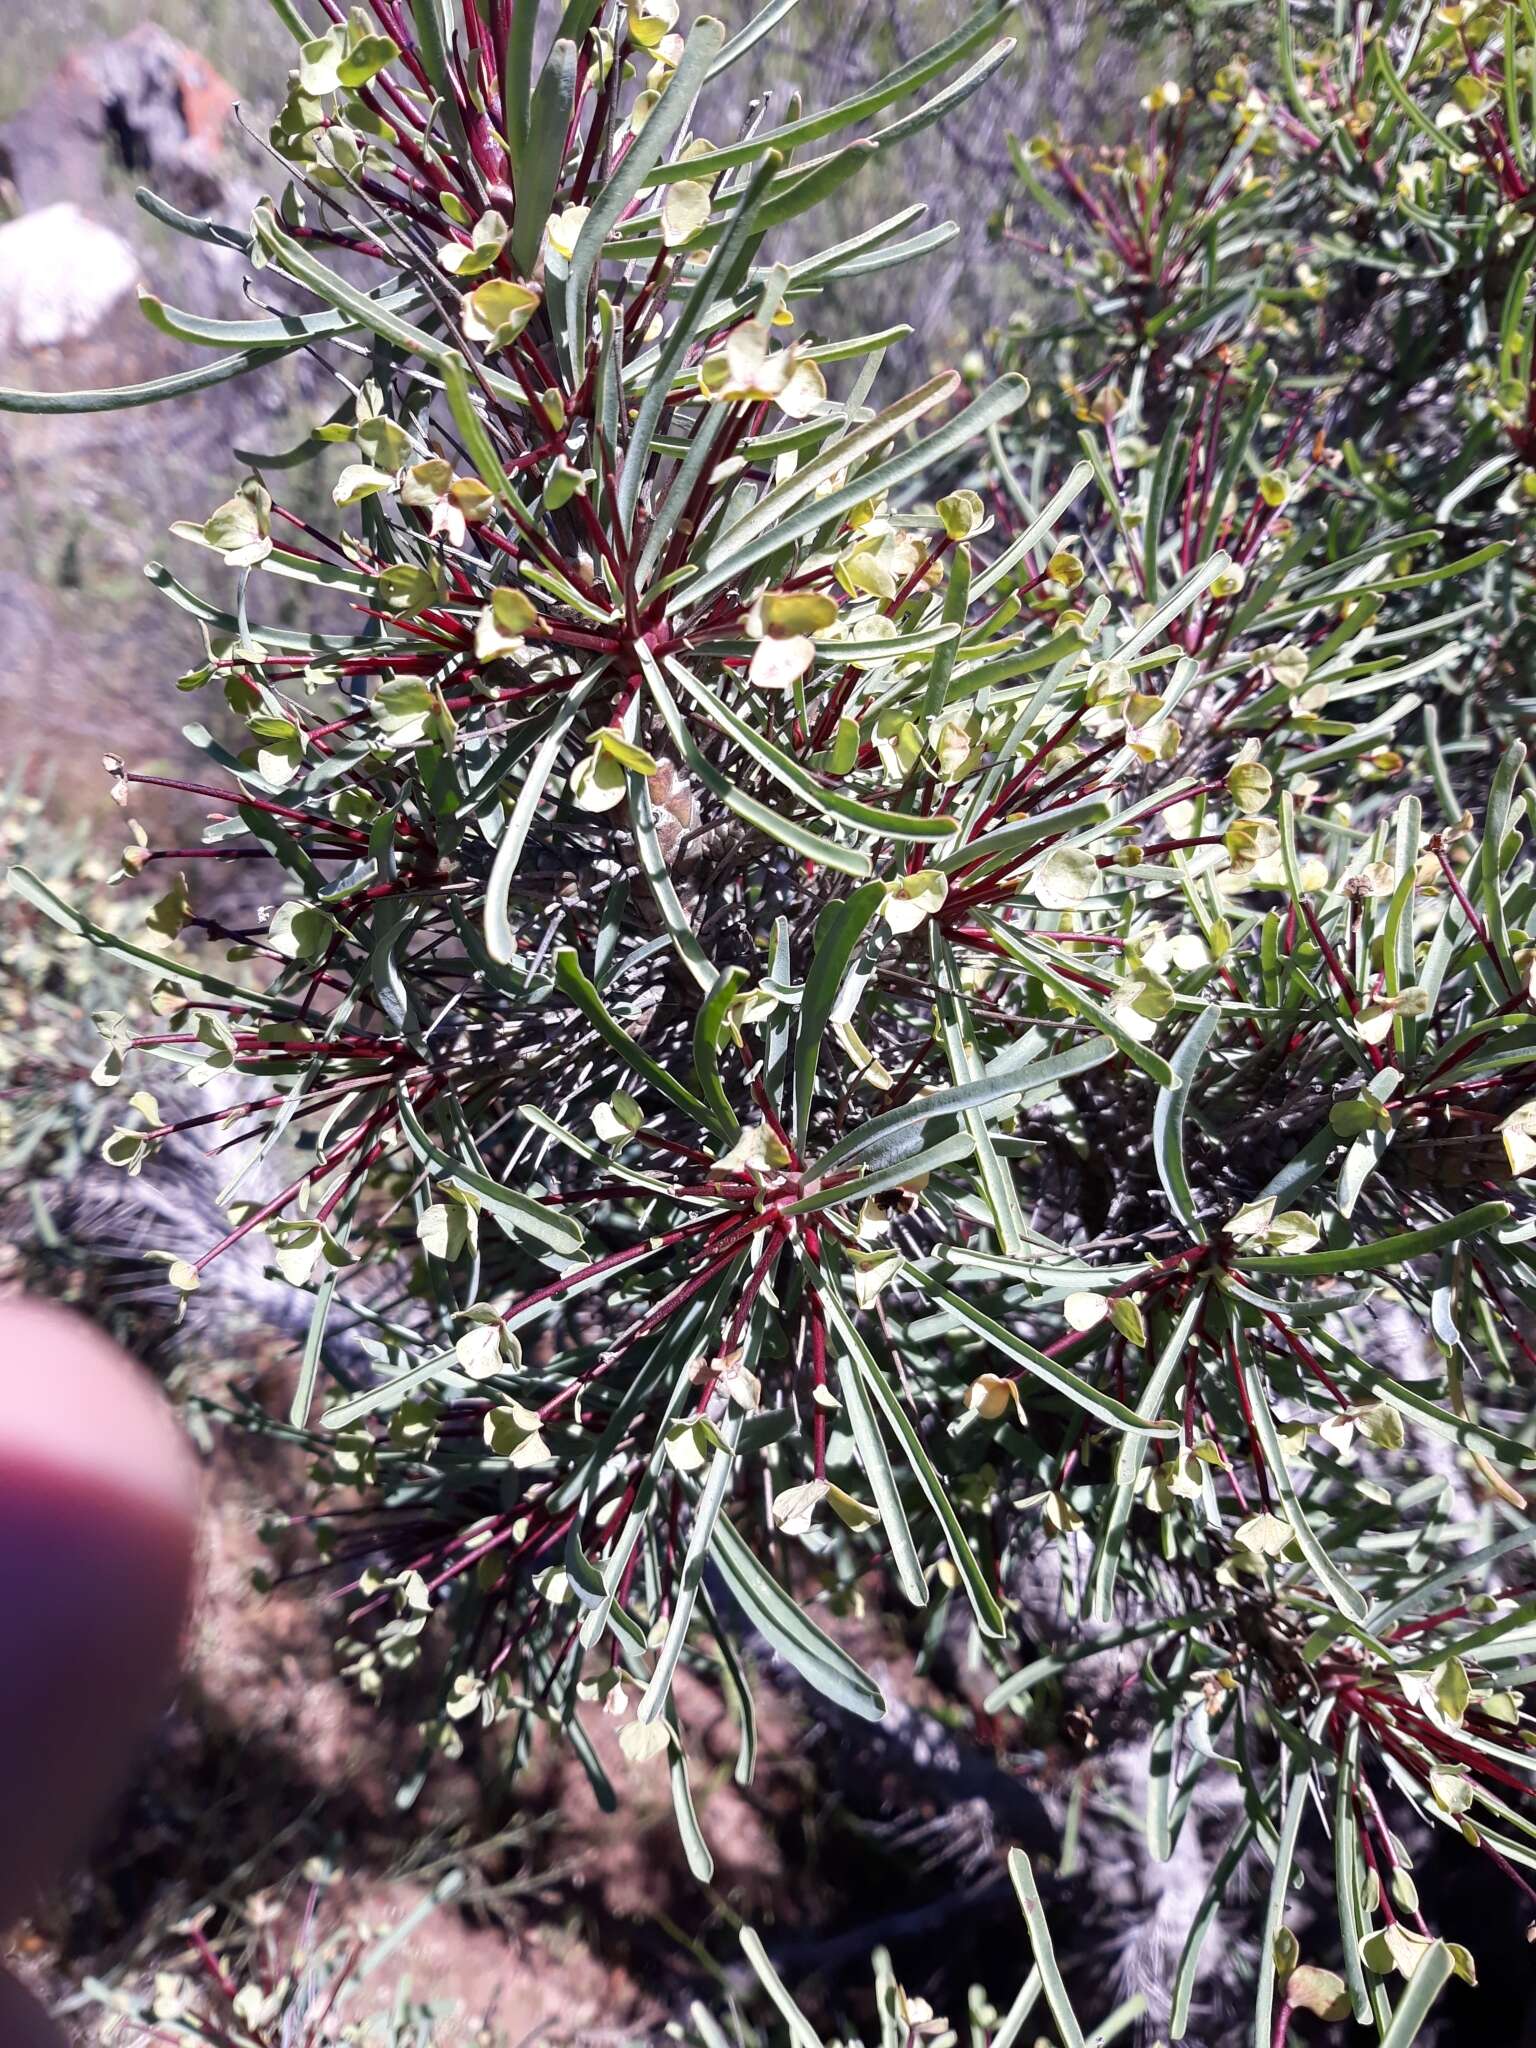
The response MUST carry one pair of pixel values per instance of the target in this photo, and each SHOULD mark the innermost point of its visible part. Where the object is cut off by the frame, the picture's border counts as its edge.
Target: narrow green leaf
(517, 80)
(1429, 1979)
(1019, 835)
(708, 1030)
(292, 20)
(573, 984)
(120, 397)
(1080, 1392)
(823, 1664)
(658, 878)
(835, 948)
(958, 1029)
(895, 86)
(1274, 1913)
(1032, 959)
(1347, 1875)
(801, 2033)
(771, 508)
(898, 825)
(685, 1593)
(762, 23)
(1387, 1251)
(432, 47)
(473, 432)
(685, 328)
(314, 1336)
(216, 234)
(855, 1367)
(1045, 1955)
(1316, 1552)
(294, 258)
(1168, 1120)
(31, 890)
(500, 939)
(1211, 1900)
(897, 1132)
(280, 330)
(666, 120)
(997, 403)
(542, 150)
(989, 1616)
(1128, 1462)
(813, 846)
(696, 1850)
(1490, 861)
(520, 1212)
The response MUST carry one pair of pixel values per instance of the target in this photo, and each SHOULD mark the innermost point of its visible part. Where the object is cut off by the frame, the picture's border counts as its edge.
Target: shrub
(862, 992)
(52, 1120)
(270, 1980)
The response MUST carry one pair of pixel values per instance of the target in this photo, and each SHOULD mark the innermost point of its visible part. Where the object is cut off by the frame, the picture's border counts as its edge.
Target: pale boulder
(61, 273)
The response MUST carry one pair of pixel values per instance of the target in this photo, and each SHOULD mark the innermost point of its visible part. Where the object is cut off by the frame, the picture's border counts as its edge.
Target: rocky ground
(86, 646)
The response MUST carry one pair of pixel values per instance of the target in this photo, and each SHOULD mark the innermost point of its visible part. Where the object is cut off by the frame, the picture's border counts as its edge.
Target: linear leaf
(685, 1593)
(854, 1367)
(784, 1622)
(1168, 1119)
(890, 1136)
(989, 1617)
(1430, 1977)
(1128, 1463)
(1386, 1251)
(829, 964)
(1056, 1998)
(500, 940)
(1316, 1552)
(543, 150)
(1274, 1914)
(572, 983)
(1082, 1393)
(995, 404)
(801, 2033)
(521, 1213)
(120, 397)
(897, 825)
(685, 327)
(635, 172)
(770, 509)
(813, 846)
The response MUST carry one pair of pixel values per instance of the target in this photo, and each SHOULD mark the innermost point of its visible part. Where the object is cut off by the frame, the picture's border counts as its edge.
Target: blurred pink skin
(23, 2023)
(98, 1504)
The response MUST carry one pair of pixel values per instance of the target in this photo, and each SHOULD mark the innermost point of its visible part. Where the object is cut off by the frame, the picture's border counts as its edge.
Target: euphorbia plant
(841, 1005)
